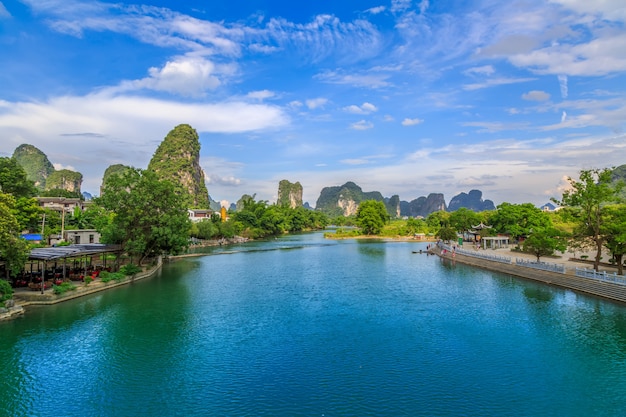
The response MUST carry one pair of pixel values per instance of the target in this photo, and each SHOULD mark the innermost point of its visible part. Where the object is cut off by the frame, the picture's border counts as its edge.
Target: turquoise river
(303, 326)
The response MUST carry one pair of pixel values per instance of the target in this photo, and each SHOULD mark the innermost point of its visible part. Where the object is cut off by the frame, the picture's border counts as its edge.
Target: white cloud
(376, 10)
(223, 180)
(484, 70)
(423, 6)
(362, 125)
(122, 129)
(609, 9)
(152, 25)
(316, 103)
(187, 76)
(400, 5)
(495, 82)
(325, 36)
(365, 108)
(411, 122)
(370, 80)
(4, 13)
(563, 85)
(581, 59)
(563, 116)
(536, 95)
(261, 95)
(59, 167)
(354, 161)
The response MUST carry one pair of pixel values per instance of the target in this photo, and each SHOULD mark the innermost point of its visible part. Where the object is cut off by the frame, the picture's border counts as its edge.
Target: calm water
(301, 326)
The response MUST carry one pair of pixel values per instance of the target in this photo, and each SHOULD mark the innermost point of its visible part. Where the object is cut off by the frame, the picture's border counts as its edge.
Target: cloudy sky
(402, 97)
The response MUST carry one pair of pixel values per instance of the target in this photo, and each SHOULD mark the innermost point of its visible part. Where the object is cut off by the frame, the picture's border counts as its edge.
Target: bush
(87, 279)
(6, 291)
(130, 269)
(63, 288)
(111, 276)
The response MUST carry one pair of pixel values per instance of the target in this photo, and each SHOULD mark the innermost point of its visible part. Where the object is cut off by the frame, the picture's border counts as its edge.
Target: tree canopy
(519, 220)
(371, 216)
(148, 216)
(589, 195)
(13, 179)
(13, 249)
(544, 242)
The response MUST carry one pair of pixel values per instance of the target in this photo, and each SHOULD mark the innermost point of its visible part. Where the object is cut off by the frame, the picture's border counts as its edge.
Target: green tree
(437, 220)
(371, 216)
(544, 242)
(149, 218)
(614, 230)
(463, 219)
(590, 194)
(13, 249)
(519, 220)
(415, 226)
(13, 179)
(447, 234)
(28, 213)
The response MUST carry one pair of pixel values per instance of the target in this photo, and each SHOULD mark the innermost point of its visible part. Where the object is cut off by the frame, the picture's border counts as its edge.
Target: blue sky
(402, 97)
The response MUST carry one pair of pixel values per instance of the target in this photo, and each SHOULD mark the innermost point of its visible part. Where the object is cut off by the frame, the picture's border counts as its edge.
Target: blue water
(302, 326)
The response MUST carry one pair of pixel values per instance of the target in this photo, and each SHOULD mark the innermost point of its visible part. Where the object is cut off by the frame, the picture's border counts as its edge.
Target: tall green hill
(65, 179)
(36, 164)
(177, 159)
(289, 194)
(345, 199)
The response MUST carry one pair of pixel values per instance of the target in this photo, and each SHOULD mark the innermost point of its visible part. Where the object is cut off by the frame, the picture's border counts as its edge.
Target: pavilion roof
(71, 251)
(481, 226)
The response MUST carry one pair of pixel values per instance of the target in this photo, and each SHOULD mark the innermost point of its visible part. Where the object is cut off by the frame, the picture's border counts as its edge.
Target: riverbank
(24, 297)
(569, 280)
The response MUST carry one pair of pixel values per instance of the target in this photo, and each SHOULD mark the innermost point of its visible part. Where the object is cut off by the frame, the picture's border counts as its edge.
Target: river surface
(303, 326)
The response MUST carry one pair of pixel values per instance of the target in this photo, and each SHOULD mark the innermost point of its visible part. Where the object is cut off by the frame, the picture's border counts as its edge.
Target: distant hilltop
(40, 170)
(177, 159)
(345, 199)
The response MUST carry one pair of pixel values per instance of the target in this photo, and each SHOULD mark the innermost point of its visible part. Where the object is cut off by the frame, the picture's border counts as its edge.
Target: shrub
(63, 288)
(130, 269)
(6, 291)
(111, 276)
(87, 279)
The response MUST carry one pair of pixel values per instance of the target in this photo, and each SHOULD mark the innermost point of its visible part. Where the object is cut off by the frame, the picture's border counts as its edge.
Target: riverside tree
(544, 242)
(614, 230)
(589, 195)
(519, 219)
(13, 249)
(371, 216)
(463, 219)
(148, 216)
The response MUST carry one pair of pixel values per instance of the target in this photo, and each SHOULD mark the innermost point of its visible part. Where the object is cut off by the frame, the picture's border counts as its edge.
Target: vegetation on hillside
(287, 192)
(65, 179)
(177, 160)
(35, 163)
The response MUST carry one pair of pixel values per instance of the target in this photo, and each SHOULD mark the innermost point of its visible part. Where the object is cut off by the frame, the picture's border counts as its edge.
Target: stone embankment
(26, 297)
(604, 289)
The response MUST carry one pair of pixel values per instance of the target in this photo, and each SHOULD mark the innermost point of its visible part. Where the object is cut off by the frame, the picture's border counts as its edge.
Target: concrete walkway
(604, 289)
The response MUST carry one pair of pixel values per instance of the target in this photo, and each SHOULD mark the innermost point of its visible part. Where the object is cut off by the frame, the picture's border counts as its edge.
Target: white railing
(601, 275)
(476, 254)
(544, 266)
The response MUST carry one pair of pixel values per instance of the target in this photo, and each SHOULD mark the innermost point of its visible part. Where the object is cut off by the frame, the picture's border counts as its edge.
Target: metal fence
(544, 266)
(601, 275)
(476, 254)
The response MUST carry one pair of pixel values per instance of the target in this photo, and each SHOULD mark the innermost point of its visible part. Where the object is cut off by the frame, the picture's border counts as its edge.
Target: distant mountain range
(345, 199)
(177, 159)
